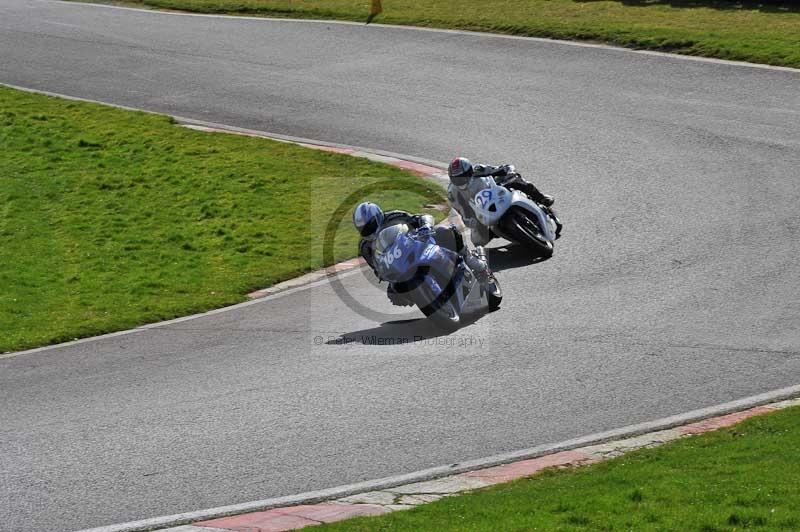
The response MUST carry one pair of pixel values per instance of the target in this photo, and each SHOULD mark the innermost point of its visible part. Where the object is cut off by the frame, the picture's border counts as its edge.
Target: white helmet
(460, 172)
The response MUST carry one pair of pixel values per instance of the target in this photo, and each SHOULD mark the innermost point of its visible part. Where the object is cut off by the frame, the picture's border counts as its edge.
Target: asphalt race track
(676, 284)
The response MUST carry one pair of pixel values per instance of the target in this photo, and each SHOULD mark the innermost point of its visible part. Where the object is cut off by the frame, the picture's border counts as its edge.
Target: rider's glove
(424, 224)
(425, 231)
(426, 219)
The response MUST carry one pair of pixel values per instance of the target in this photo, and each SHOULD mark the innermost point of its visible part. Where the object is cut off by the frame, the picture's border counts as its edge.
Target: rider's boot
(546, 200)
(537, 195)
(540, 197)
(559, 225)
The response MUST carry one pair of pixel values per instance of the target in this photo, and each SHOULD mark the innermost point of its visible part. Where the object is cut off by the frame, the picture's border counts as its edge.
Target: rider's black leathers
(506, 176)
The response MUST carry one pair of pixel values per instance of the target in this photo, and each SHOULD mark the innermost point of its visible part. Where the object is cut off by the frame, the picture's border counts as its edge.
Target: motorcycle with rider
(427, 266)
(496, 201)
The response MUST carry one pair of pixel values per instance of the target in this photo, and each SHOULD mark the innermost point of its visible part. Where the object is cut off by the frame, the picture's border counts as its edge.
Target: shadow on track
(402, 331)
(420, 329)
(510, 256)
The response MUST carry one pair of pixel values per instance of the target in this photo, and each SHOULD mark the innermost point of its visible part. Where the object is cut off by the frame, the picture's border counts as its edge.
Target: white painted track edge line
(302, 140)
(192, 121)
(481, 34)
(453, 469)
(268, 134)
(431, 473)
(160, 324)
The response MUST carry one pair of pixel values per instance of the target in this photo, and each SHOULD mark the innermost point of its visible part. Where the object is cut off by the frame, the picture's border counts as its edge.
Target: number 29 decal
(483, 198)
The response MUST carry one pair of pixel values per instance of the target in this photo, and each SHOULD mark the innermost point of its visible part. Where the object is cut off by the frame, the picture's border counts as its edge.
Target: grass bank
(110, 219)
(760, 32)
(743, 477)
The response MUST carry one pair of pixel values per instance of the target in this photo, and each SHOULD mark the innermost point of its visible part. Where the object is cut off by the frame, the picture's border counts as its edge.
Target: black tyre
(494, 295)
(525, 230)
(446, 317)
(441, 312)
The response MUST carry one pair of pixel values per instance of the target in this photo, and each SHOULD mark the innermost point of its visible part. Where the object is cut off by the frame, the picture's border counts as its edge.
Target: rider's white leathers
(480, 235)
(460, 198)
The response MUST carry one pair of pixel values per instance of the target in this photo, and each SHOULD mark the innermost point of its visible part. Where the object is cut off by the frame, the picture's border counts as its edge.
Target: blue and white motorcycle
(512, 215)
(433, 277)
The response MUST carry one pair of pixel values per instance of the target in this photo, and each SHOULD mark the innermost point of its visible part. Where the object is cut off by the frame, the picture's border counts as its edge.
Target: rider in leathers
(460, 192)
(370, 220)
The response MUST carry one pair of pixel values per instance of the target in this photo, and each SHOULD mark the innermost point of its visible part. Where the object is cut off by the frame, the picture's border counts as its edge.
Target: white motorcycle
(512, 215)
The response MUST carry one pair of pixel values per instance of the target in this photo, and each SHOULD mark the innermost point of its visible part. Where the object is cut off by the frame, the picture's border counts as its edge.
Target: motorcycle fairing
(400, 261)
(491, 203)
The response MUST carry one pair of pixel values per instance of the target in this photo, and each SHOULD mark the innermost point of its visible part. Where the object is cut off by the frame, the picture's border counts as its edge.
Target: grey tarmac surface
(674, 287)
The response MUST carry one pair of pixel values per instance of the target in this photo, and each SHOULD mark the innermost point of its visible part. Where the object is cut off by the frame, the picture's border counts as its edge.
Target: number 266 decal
(390, 257)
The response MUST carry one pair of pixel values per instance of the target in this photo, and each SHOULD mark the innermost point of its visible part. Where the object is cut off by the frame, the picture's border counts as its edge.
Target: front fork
(476, 259)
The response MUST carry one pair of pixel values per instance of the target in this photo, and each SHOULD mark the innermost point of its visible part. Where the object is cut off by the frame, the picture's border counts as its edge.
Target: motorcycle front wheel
(494, 297)
(443, 314)
(446, 317)
(527, 232)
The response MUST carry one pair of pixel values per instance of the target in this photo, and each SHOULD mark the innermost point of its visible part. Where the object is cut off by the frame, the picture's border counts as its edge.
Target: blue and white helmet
(367, 218)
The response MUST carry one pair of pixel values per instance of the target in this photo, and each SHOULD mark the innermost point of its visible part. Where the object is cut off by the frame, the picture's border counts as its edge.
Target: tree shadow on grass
(765, 6)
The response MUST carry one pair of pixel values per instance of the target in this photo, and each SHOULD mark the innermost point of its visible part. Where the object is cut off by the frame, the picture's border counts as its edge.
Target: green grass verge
(110, 219)
(743, 477)
(761, 32)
